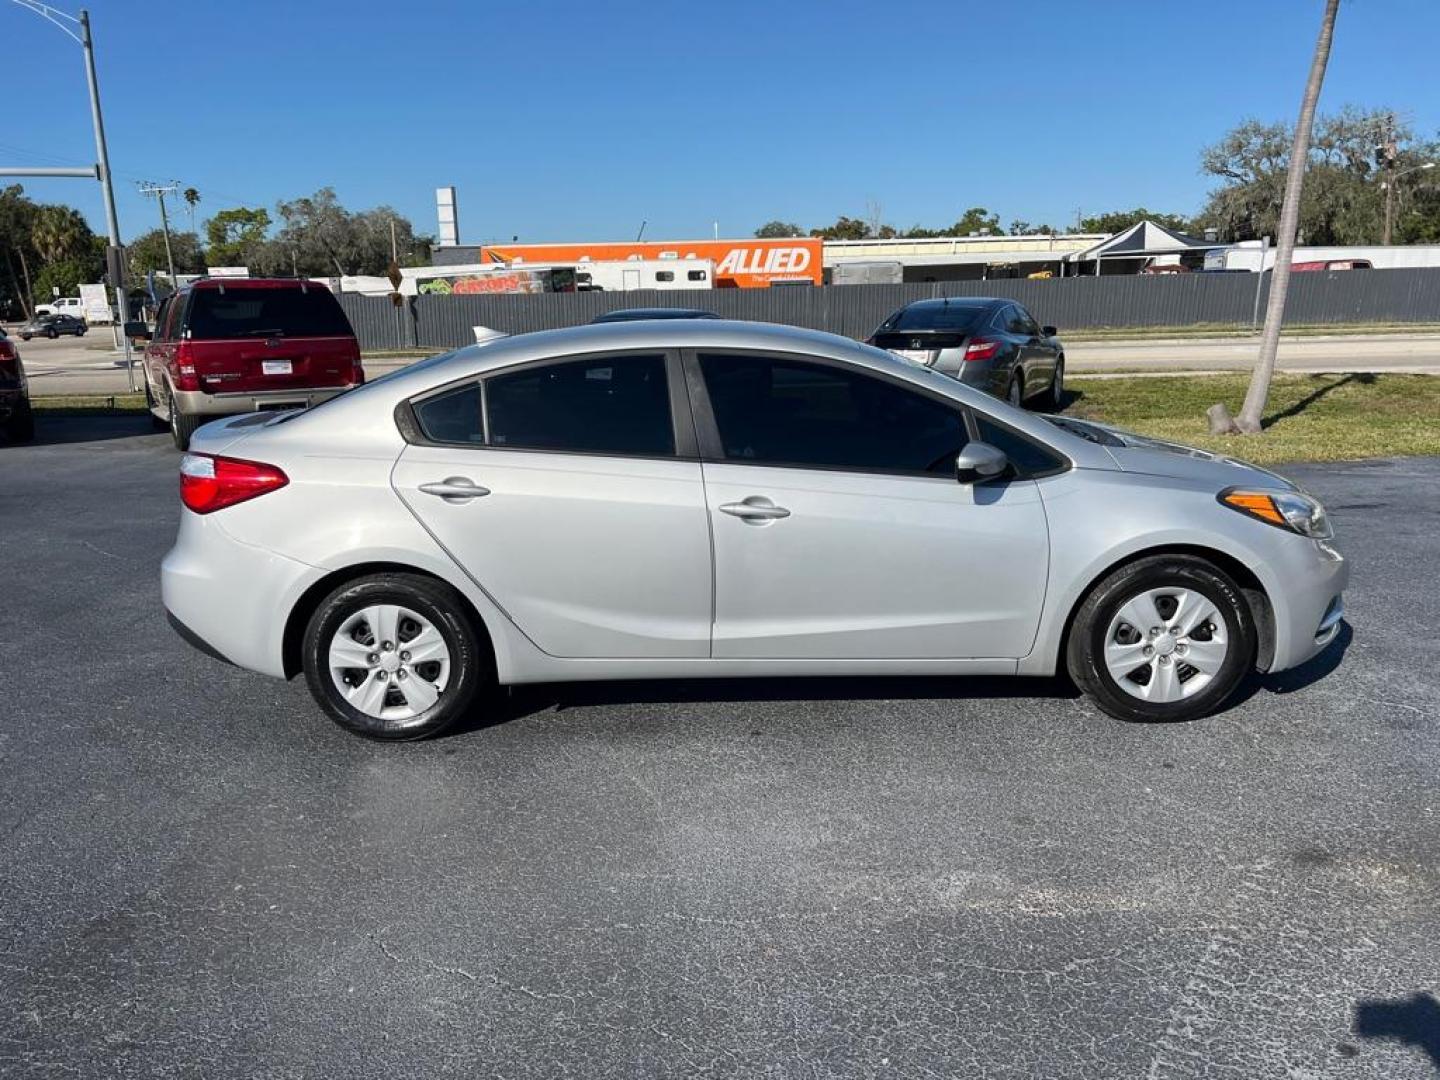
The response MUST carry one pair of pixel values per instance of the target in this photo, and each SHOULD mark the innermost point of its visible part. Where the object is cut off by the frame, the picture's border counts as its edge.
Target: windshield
(279, 312)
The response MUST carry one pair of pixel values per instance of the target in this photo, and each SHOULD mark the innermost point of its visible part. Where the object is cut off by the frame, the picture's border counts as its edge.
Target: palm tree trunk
(1255, 398)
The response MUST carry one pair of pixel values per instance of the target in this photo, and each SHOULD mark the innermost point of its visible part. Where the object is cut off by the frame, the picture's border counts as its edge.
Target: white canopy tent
(1143, 240)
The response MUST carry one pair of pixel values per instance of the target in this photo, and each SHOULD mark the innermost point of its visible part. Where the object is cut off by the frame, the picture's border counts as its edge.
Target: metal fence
(1400, 296)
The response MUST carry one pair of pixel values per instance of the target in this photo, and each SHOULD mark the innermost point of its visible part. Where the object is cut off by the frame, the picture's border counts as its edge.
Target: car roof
(209, 283)
(655, 313)
(958, 301)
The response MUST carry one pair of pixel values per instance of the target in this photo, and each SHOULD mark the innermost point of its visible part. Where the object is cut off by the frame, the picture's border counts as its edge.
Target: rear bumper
(11, 402)
(200, 403)
(228, 598)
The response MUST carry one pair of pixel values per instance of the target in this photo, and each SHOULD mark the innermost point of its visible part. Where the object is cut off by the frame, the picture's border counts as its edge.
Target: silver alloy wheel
(1166, 644)
(389, 662)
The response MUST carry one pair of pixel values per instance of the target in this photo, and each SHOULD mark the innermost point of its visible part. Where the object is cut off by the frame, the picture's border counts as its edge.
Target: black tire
(1057, 386)
(25, 337)
(80, 332)
(182, 425)
(1015, 392)
(1092, 621)
(470, 667)
(20, 427)
(52, 334)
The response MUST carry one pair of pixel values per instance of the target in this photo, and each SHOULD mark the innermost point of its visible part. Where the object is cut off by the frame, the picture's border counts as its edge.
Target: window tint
(610, 405)
(930, 316)
(262, 312)
(696, 275)
(786, 412)
(452, 417)
(1029, 458)
(665, 275)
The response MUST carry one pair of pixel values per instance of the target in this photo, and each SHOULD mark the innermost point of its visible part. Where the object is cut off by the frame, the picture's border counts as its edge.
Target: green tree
(778, 229)
(67, 275)
(845, 228)
(17, 221)
(1021, 227)
(59, 232)
(1116, 221)
(977, 220)
(147, 252)
(1342, 201)
(234, 237)
(192, 200)
(321, 237)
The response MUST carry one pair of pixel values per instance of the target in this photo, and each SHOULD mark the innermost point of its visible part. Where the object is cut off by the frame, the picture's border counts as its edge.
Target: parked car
(52, 326)
(233, 345)
(702, 498)
(993, 345)
(16, 418)
(639, 314)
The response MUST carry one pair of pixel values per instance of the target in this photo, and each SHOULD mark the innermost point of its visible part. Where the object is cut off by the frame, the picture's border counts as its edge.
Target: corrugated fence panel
(443, 322)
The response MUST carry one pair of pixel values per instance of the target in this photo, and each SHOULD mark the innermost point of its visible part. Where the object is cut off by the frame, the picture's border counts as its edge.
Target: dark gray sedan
(52, 326)
(990, 344)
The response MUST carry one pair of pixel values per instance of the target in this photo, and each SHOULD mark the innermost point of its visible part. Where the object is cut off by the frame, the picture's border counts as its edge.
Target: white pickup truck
(63, 305)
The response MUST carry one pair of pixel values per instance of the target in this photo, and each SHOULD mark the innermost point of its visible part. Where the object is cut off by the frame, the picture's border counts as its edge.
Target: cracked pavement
(202, 876)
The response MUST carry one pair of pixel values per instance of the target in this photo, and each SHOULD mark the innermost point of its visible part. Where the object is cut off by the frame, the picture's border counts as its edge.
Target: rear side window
(216, 315)
(785, 412)
(453, 416)
(599, 405)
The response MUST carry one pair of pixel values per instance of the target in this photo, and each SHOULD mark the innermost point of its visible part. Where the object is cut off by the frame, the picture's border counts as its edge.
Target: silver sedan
(710, 498)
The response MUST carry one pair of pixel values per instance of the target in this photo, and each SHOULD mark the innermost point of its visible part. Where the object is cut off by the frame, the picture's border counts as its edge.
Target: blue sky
(560, 120)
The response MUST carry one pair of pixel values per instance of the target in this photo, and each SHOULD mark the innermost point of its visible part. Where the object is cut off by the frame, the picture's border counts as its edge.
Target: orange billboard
(739, 264)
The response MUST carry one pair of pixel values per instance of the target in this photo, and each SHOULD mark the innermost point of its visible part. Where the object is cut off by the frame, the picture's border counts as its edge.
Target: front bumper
(201, 403)
(1307, 600)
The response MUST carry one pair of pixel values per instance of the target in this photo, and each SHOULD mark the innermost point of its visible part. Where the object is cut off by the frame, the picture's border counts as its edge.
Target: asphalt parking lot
(201, 876)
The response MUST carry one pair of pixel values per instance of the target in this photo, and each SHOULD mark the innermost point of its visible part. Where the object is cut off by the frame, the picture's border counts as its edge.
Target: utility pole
(1386, 154)
(158, 192)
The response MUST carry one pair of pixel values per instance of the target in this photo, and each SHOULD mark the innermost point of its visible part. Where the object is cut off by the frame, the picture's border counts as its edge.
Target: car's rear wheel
(20, 426)
(1015, 393)
(1164, 638)
(393, 657)
(182, 425)
(153, 406)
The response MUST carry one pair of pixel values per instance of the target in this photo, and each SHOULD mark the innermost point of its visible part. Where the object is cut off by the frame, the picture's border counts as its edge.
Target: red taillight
(209, 483)
(981, 348)
(185, 377)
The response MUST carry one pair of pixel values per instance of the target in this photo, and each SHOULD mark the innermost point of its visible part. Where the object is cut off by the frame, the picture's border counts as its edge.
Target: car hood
(1157, 457)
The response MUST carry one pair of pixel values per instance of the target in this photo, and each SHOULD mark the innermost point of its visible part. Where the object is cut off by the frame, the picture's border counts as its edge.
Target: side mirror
(1049, 331)
(980, 461)
(139, 330)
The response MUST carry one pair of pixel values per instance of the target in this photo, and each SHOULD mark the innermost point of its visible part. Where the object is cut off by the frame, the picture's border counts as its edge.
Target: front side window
(599, 405)
(790, 412)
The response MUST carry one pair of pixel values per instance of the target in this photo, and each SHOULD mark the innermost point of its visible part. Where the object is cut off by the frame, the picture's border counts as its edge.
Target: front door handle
(455, 489)
(756, 508)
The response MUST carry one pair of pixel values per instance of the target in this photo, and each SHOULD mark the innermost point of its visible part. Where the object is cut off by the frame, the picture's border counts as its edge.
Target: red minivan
(231, 345)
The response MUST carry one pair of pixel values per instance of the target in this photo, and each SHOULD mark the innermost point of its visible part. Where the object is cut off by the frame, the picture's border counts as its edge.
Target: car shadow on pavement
(57, 429)
(518, 702)
(1412, 1021)
(1298, 678)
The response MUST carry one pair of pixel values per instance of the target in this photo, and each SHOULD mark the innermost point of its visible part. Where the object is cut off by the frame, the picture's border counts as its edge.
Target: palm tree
(1255, 398)
(59, 232)
(192, 199)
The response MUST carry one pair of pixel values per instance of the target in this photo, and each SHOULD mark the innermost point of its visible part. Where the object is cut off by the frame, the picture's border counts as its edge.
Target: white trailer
(1247, 255)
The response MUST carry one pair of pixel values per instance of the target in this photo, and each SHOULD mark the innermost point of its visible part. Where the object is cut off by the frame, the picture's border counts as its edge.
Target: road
(201, 876)
(69, 366)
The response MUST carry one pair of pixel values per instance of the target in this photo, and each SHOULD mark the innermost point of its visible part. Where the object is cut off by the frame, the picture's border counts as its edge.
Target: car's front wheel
(1057, 386)
(1164, 638)
(52, 334)
(393, 657)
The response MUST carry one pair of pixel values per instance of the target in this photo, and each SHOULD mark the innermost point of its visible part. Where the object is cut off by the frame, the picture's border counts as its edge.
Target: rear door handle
(455, 489)
(755, 508)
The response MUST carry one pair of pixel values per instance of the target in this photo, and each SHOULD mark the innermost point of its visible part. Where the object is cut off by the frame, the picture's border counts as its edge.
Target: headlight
(1284, 509)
